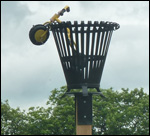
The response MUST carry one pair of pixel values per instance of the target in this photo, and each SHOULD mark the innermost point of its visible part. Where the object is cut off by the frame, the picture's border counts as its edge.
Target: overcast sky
(29, 72)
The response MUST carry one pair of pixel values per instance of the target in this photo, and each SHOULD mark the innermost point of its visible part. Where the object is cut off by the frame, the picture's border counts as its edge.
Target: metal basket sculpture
(83, 54)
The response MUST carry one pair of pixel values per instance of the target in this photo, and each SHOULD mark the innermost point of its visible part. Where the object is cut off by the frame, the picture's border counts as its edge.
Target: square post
(83, 114)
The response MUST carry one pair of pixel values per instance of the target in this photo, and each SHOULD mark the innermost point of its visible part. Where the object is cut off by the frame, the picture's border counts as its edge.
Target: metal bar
(105, 53)
(107, 26)
(77, 43)
(105, 41)
(82, 52)
(57, 45)
(67, 40)
(73, 61)
(97, 46)
(108, 43)
(71, 38)
(101, 44)
(87, 51)
(56, 41)
(82, 38)
(102, 53)
(91, 59)
(63, 42)
(63, 48)
(76, 36)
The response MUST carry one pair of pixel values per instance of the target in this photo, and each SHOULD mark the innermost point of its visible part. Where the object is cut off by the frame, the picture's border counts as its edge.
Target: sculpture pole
(82, 48)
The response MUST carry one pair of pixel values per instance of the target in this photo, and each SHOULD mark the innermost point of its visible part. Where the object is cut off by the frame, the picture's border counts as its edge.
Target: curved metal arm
(60, 13)
(55, 18)
(66, 8)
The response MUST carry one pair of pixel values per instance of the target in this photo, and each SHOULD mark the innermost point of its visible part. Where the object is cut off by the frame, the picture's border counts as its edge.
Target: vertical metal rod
(78, 45)
(97, 46)
(87, 51)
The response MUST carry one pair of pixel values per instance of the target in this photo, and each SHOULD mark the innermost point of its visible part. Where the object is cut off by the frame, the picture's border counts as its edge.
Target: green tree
(13, 121)
(39, 121)
(121, 113)
(63, 115)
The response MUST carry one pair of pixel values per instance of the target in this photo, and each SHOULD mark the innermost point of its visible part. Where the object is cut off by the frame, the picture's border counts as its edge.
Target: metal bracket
(98, 90)
(84, 109)
(85, 90)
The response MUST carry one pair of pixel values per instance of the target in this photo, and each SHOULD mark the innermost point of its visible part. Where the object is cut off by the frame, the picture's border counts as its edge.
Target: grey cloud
(127, 60)
(29, 72)
(12, 11)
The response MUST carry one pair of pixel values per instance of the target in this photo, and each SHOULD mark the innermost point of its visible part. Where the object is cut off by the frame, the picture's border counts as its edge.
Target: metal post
(83, 114)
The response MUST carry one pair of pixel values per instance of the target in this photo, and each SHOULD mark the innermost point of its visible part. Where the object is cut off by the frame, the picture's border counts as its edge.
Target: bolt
(84, 116)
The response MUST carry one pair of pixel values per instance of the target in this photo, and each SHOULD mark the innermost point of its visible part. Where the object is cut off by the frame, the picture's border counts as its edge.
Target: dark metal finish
(83, 64)
(85, 90)
(83, 53)
(84, 107)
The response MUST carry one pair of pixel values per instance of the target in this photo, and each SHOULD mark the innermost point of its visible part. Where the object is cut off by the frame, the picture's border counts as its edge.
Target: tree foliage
(125, 113)
(13, 121)
(121, 113)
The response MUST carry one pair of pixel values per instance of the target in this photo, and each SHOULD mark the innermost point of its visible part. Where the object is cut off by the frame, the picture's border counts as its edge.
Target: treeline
(121, 113)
